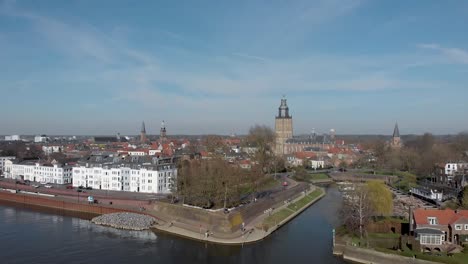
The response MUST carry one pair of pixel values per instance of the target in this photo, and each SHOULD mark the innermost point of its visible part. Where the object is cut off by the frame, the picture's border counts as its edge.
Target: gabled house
(436, 229)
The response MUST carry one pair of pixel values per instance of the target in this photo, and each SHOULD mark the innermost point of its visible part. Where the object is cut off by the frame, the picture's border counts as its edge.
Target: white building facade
(452, 168)
(3, 159)
(126, 177)
(317, 164)
(39, 172)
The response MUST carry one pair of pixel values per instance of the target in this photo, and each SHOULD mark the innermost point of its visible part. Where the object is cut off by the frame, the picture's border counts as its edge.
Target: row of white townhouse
(147, 179)
(133, 174)
(38, 171)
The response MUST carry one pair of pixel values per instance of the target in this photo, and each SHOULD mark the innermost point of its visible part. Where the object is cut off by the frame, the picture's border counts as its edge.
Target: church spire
(143, 133)
(396, 131)
(143, 128)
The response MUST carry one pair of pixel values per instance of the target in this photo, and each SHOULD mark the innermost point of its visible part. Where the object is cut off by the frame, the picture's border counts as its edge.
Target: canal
(28, 236)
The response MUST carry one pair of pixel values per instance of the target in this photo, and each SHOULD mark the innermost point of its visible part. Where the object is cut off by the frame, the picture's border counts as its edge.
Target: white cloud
(455, 55)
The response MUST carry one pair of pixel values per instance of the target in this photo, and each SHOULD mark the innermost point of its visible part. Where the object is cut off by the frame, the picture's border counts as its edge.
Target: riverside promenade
(252, 231)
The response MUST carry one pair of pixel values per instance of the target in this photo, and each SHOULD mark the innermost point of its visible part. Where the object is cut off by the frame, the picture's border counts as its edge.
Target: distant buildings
(133, 174)
(12, 138)
(41, 139)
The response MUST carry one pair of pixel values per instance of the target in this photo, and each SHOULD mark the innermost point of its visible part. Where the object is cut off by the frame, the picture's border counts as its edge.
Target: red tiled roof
(444, 217)
(305, 155)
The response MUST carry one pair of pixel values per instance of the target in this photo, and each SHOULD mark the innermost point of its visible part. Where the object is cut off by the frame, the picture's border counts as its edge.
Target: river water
(28, 236)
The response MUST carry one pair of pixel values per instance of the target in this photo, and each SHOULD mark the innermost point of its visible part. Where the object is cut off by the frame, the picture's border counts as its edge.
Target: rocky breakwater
(129, 221)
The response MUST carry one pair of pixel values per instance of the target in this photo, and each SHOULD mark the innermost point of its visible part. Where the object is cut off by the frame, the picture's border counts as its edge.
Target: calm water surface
(28, 236)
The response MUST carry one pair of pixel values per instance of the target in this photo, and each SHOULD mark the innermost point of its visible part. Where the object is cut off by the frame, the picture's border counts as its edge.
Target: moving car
(48, 186)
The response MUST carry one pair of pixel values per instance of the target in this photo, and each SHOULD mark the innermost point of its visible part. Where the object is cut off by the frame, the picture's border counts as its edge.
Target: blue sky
(101, 67)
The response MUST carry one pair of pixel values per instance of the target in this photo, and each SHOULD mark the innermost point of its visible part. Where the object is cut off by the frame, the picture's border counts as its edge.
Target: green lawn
(384, 235)
(318, 176)
(310, 177)
(282, 214)
(277, 217)
(305, 200)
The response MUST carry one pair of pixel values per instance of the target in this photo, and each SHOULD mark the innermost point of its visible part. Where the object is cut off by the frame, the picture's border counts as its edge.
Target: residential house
(438, 229)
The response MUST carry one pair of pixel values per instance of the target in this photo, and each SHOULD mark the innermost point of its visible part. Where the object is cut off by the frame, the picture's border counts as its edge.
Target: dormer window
(432, 220)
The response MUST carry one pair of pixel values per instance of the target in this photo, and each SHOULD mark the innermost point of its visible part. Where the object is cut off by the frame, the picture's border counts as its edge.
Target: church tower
(162, 133)
(396, 140)
(283, 128)
(143, 133)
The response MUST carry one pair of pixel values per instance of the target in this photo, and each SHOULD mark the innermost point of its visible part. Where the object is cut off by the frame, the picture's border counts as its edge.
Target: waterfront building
(3, 159)
(283, 128)
(440, 229)
(131, 173)
(39, 171)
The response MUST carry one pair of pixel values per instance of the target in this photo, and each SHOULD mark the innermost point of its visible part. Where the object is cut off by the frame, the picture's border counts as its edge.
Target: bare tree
(357, 209)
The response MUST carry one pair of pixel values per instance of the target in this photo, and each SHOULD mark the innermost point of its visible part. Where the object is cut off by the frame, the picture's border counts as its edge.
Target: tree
(300, 173)
(261, 137)
(464, 201)
(357, 209)
(380, 197)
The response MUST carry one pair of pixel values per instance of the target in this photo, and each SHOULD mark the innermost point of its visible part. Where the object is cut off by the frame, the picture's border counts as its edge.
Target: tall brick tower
(283, 128)
(143, 133)
(162, 133)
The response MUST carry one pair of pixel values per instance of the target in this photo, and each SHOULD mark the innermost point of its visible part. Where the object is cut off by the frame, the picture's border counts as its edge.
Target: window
(458, 227)
(430, 239)
(432, 220)
(466, 227)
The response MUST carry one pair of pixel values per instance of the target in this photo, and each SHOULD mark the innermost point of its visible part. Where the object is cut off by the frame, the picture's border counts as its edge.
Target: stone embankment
(129, 221)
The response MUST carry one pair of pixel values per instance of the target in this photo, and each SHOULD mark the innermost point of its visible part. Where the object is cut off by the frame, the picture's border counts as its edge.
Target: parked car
(48, 186)
(27, 181)
(20, 182)
(35, 186)
(89, 188)
(79, 190)
(69, 187)
(80, 187)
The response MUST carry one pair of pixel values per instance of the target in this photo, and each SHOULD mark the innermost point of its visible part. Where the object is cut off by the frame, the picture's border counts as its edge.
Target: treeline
(214, 182)
(419, 155)
(208, 183)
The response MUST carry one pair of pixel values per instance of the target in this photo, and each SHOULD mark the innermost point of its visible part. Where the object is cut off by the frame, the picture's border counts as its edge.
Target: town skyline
(355, 66)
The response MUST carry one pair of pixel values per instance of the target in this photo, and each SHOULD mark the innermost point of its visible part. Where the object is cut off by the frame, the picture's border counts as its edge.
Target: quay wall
(58, 204)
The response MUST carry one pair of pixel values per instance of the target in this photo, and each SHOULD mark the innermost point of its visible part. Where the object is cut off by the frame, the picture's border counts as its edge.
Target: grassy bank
(311, 177)
(284, 213)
